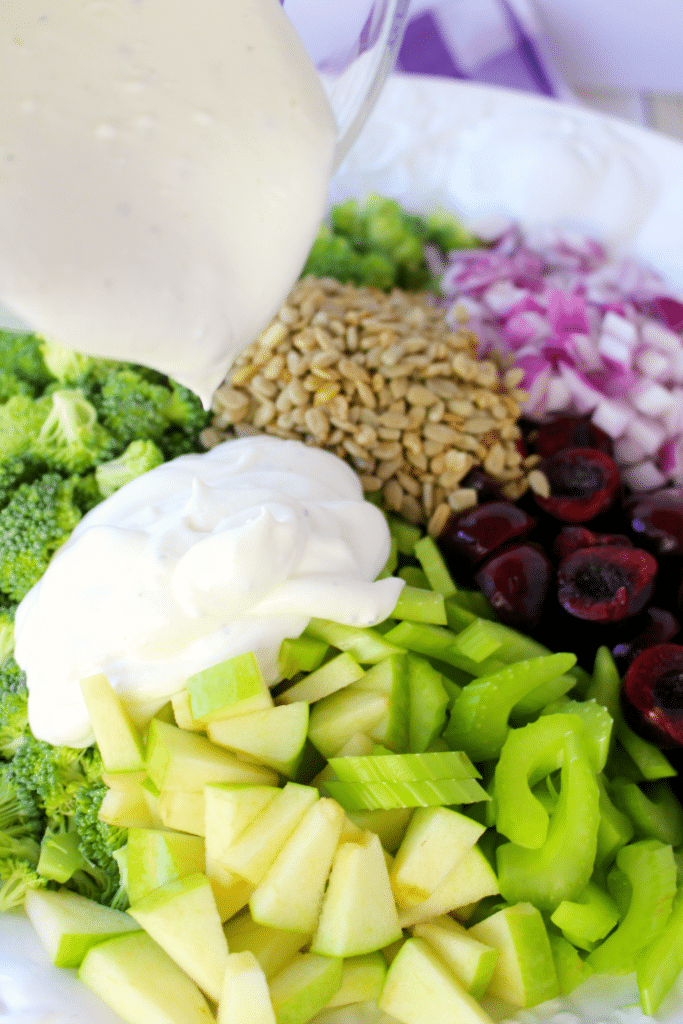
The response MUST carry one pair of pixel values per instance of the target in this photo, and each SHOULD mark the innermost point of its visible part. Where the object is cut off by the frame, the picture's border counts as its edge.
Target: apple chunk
(118, 738)
(68, 925)
(245, 998)
(524, 973)
(234, 687)
(139, 981)
(274, 737)
(304, 986)
(471, 961)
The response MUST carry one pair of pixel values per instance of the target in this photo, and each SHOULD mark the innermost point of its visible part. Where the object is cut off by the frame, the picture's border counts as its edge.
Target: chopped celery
(334, 675)
(390, 677)
(651, 870)
(655, 811)
(366, 645)
(588, 919)
(571, 969)
(413, 576)
(446, 764)
(528, 755)
(534, 702)
(434, 566)
(358, 796)
(420, 605)
(660, 963)
(476, 642)
(652, 762)
(428, 702)
(597, 721)
(458, 617)
(405, 534)
(391, 565)
(475, 602)
(479, 716)
(561, 868)
(606, 682)
(431, 641)
(615, 829)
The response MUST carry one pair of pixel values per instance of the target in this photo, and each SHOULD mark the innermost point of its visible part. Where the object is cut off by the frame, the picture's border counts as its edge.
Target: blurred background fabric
(624, 57)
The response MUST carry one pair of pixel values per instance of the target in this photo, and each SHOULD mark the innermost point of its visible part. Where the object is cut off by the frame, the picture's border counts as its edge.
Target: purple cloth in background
(516, 57)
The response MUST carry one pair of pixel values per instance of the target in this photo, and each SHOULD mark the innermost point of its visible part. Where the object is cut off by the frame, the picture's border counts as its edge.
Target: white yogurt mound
(201, 559)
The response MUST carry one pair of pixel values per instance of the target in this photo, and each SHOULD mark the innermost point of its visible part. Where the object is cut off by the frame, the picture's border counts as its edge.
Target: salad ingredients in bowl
(422, 815)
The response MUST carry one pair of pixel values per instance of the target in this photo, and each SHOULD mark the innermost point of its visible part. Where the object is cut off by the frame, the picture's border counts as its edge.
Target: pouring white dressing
(164, 169)
(198, 560)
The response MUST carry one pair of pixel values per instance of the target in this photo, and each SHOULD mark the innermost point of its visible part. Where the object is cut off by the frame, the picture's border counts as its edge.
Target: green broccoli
(133, 407)
(448, 233)
(21, 356)
(6, 638)
(19, 469)
(70, 438)
(36, 521)
(21, 419)
(187, 415)
(20, 829)
(13, 708)
(138, 458)
(17, 877)
(11, 385)
(68, 366)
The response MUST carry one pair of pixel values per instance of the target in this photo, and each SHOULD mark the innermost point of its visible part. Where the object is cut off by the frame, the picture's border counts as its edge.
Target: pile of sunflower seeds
(386, 384)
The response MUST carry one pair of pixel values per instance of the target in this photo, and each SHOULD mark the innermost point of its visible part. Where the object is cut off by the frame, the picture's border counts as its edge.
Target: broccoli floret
(66, 365)
(70, 438)
(20, 355)
(54, 777)
(132, 407)
(86, 492)
(11, 385)
(20, 831)
(138, 458)
(33, 525)
(186, 413)
(17, 877)
(6, 638)
(20, 469)
(13, 722)
(446, 231)
(21, 419)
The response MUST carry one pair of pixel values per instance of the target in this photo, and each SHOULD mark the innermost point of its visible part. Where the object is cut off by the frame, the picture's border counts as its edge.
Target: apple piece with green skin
(274, 737)
(358, 913)
(334, 675)
(245, 998)
(428, 703)
(362, 980)
(471, 880)
(525, 973)
(291, 893)
(135, 977)
(234, 687)
(182, 713)
(419, 988)
(155, 857)
(334, 719)
(300, 654)
(181, 916)
(182, 810)
(253, 852)
(390, 825)
(435, 841)
(471, 961)
(68, 924)
(118, 738)
(304, 987)
(187, 761)
(229, 808)
(272, 947)
(390, 677)
(124, 804)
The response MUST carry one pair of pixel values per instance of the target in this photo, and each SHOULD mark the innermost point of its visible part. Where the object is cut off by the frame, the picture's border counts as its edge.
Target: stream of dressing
(163, 171)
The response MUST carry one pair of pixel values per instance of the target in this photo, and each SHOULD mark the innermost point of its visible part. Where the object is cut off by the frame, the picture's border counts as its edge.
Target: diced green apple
(274, 737)
(182, 713)
(253, 852)
(390, 825)
(358, 913)
(234, 687)
(186, 761)
(124, 804)
(229, 808)
(301, 654)
(118, 738)
(182, 917)
(304, 986)
(470, 880)
(524, 974)
(419, 987)
(135, 977)
(336, 718)
(290, 895)
(245, 998)
(155, 857)
(230, 899)
(435, 841)
(272, 947)
(362, 980)
(68, 924)
(334, 675)
(390, 676)
(471, 961)
(182, 810)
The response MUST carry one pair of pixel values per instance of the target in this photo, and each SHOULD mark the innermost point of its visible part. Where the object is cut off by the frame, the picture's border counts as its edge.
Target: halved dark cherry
(486, 486)
(653, 626)
(583, 484)
(573, 538)
(571, 432)
(653, 694)
(657, 519)
(516, 582)
(606, 584)
(474, 534)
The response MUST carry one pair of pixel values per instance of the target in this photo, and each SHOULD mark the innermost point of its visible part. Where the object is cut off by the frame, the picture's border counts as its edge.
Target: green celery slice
(476, 641)
(479, 716)
(413, 576)
(650, 868)
(444, 764)
(366, 645)
(420, 605)
(652, 762)
(659, 964)
(615, 829)
(561, 868)
(428, 700)
(406, 534)
(655, 813)
(588, 919)
(334, 675)
(434, 566)
(301, 654)
(358, 796)
(571, 969)
(598, 725)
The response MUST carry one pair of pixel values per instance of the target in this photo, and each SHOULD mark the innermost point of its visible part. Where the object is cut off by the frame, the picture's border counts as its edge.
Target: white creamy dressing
(163, 171)
(200, 559)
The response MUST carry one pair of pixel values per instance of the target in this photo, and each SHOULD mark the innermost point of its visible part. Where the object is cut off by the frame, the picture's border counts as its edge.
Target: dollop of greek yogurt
(201, 559)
